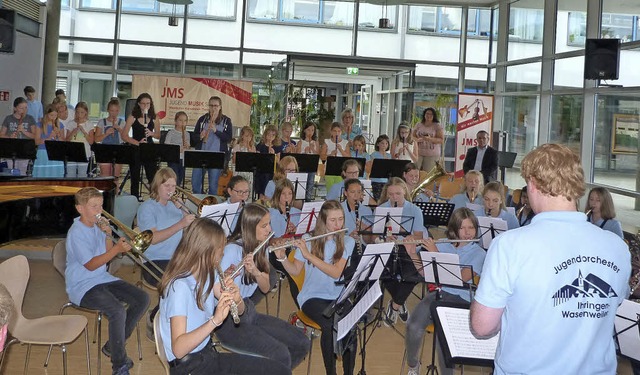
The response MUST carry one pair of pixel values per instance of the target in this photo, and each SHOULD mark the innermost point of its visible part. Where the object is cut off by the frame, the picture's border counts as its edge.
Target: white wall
(21, 68)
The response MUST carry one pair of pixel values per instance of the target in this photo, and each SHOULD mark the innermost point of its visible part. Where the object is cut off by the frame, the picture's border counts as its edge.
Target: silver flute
(253, 253)
(290, 243)
(223, 287)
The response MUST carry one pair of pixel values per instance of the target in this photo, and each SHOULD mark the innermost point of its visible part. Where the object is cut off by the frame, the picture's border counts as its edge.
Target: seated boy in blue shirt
(89, 284)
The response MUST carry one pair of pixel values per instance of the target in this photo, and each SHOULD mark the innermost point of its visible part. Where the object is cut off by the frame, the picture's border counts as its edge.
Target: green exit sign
(352, 70)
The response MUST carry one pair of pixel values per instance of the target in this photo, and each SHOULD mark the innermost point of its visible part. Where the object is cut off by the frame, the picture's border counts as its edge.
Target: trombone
(290, 243)
(139, 242)
(200, 203)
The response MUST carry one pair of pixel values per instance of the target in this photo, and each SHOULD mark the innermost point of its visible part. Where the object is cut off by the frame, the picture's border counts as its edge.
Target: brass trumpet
(200, 203)
(290, 243)
(139, 242)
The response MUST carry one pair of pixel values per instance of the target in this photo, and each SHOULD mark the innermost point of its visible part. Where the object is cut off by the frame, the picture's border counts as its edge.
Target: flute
(253, 253)
(233, 310)
(443, 240)
(290, 243)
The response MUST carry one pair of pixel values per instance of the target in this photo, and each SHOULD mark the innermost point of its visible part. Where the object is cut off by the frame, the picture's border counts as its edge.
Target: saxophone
(223, 287)
(634, 281)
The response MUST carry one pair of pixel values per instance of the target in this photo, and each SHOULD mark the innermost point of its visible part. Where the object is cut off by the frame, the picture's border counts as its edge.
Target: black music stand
(255, 163)
(505, 160)
(334, 165)
(203, 160)
(14, 148)
(113, 154)
(65, 152)
(436, 213)
(307, 163)
(387, 168)
(158, 153)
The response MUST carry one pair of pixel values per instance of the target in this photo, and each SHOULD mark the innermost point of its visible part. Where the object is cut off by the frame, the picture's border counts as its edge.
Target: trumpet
(200, 203)
(253, 253)
(290, 243)
(139, 242)
(223, 286)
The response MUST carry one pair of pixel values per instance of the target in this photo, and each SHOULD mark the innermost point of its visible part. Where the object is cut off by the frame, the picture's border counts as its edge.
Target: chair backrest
(162, 355)
(450, 188)
(298, 279)
(14, 274)
(126, 208)
(59, 257)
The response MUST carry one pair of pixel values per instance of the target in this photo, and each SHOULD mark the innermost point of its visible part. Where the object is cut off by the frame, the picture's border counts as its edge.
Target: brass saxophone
(634, 281)
(223, 287)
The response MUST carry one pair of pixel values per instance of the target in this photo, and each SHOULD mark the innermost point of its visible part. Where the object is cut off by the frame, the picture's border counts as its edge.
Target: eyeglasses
(241, 192)
(290, 170)
(214, 105)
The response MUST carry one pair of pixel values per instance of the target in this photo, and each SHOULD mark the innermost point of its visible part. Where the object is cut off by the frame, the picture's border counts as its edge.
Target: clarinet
(359, 240)
(223, 286)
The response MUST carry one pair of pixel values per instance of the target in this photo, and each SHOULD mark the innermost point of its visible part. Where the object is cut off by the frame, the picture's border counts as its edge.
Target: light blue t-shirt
(34, 109)
(364, 214)
(180, 300)
(410, 210)
(83, 244)
(279, 221)
(511, 219)
(560, 281)
(470, 255)
(153, 214)
(612, 225)
(270, 189)
(318, 284)
(335, 191)
(233, 256)
(45, 133)
(364, 155)
(461, 200)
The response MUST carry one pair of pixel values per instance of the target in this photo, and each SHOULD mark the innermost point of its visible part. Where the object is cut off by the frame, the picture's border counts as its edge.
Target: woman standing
(81, 130)
(145, 127)
(309, 145)
(109, 133)
(258, 334)
(215, 130)
(49, 130)
(189, 313)
(430, 137)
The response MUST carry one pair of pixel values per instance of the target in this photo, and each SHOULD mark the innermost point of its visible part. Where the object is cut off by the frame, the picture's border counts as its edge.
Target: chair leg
(279, 296)
(26, 360)
(64, 358)
(68, 304)
(139, 344)
(97, 326)
(6, 348)
(46, 362)
(99, 334)
(310, 352)
(404, 361)
(86, 341)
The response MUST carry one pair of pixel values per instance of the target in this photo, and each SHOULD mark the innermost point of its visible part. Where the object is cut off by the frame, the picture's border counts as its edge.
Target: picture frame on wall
(624, 137)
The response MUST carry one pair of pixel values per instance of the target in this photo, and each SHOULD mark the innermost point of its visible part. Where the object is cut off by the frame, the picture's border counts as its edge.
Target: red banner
(475, 113)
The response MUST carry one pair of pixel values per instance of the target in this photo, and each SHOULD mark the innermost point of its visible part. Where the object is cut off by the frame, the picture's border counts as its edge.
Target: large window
(520, 120)
(625, 27)
(447, 20)
(566, 121)
(526, 21)
(205, 8)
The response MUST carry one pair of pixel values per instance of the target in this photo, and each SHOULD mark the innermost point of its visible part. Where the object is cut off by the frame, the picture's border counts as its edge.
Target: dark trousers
(134, 168)
(152, 281)
(123, 304)
(278, 266)
(314, 308)
(264, 335)
(401, 276)
(179, 169)
(208, 361)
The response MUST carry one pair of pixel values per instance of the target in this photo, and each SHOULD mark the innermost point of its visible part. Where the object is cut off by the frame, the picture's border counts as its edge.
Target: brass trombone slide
(253, 253)
(206, 201)
(139, 242)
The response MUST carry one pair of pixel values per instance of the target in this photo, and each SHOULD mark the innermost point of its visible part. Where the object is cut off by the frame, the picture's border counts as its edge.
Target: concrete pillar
(50, 69)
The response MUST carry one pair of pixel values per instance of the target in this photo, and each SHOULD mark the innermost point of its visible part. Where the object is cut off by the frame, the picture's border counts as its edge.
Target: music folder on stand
(66, 152)
(196, 159)
(334, 165)
(255, 163)
(15, 148)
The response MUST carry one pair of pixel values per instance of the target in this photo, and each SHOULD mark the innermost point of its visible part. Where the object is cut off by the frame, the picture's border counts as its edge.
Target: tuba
(436, 172)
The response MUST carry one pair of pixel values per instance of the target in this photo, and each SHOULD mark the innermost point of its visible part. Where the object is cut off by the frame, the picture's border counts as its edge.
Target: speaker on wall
(7, 30)
(602, 59)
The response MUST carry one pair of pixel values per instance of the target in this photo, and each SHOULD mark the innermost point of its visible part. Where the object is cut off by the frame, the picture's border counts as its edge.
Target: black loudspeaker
(7, 30)
(602, 59)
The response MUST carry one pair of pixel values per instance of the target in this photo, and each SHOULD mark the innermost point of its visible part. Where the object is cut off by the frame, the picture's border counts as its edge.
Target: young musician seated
(524, 213)
(166, 220)
(603, 212)
(463, 225)
(493, 196)
(395, 194)
(288, 164)
(355, 213)
(89, 284)
(473, 186)
(238, 191)
(350, 169)
(411, 176)
(259, 334)
(189, 313)
(323, 261)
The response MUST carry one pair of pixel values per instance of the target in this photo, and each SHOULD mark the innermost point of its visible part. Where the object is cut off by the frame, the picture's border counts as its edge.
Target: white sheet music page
(307, 220)
(461, 342)
(447, 266)
(395, 217)
(486, 224)
(345, 324)
(367, 192)
(299, 181)
(218, 212)
(627, 315)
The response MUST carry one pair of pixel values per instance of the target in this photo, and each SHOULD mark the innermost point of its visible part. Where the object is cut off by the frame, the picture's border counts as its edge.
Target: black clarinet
(357, 215)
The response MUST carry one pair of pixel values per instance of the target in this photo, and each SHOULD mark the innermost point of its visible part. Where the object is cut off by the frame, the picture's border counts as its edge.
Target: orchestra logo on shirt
(585, 291)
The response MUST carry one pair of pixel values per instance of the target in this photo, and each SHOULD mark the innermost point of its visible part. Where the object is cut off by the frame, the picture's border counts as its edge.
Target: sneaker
(414, 370)
(123, 370)
(403, 313)
(149, 330)
(107, 352)
(391, 315)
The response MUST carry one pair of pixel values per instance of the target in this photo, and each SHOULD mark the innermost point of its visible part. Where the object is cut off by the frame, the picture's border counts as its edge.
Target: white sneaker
(414, 370)
(390, 315)
(403, 313)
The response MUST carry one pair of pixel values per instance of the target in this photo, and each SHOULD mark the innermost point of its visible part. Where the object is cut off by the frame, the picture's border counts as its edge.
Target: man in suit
(483, 158)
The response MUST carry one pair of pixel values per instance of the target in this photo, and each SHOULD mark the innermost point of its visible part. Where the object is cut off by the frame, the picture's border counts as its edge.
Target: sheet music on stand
(353, 317)
(370, 267)
(397, 221)
(436, 213)
(458, 344)
(449, 272)
(222, 213)
(475, 207)
(490, 227)
(308, 217)
(627, 329)
(299, 181)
